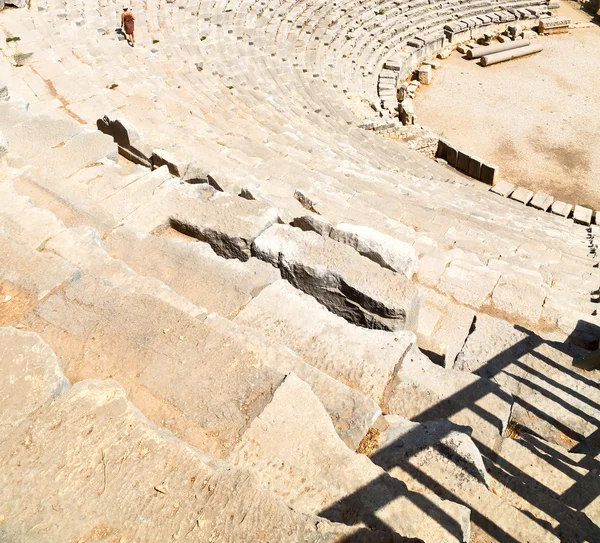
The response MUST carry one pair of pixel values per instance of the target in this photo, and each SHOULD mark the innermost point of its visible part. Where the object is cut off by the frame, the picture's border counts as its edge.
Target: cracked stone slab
(363, 359)
(348, 284)
(108, 445)
(229, 224)
(381, 248)
(351, 412)
(469, 284)
(36, 274)
(201, 384)
(519, 299)
(293, 447)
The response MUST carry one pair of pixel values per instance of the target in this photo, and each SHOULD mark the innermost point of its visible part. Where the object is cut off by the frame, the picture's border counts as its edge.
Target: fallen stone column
(478, 52)
(509, 55)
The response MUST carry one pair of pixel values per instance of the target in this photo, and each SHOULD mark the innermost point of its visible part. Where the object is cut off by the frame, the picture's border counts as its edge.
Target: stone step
(351, 412)
(192, 269)
(28, 277)
(83, 248)
(294, 448)
(553, 398)
(348, 284)
(423, 391)
(22, 221)
(229, 224)
(558, 488)
(109, 445)
(365, 360)
(180, 373)
(439, 458)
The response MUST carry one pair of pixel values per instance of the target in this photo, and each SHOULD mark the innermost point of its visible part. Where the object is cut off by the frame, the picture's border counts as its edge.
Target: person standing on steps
(128, 24)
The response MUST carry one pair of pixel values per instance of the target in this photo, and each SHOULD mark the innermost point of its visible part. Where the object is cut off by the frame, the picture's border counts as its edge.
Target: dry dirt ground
(537, 117)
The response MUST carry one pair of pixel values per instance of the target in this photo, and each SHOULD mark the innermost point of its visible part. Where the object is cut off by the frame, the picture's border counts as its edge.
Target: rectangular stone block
(542, 201)
(522, 195)
(442, 149)
(463, 162)
(452, 156)
(475, 167)
(425, 74)
(503, 188)
(561, 208)
(489, 173)
(582, 215)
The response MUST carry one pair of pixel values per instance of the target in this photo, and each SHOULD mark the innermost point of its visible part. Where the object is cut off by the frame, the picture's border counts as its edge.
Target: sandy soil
(537, 117)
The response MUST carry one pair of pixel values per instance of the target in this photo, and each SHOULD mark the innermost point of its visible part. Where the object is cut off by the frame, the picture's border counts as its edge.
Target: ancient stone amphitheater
(229, 312)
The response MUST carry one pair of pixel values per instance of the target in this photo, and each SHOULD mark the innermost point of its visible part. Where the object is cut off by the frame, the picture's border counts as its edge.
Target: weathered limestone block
(554, 25)
(503, 188)
(582, 215)
(561, 208)
(294, 449)
(406, 110)
(552, 398)
(362, 359)
(439, 447)
(35, 274)
(183, 375)
(542, 201)
(522, 195)
(229, 224)
(425, 74)
(348, 284)
(449, 337)
(387, 251)
(193, 269)
(423, 391)
(470, 284)
(431, 268)
(108, 446)
(83, 248)
(351, 412)
(489, 173)
(31, 376)
(22, 221)
(519, 298)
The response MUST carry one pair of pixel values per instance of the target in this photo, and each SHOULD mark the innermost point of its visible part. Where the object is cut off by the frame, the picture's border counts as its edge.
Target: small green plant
(202, 38)
(228, 10)
(155, 41)
(14, 38)
(380, 12)
(230, 87)
(19, 58)
(113, 86)
(348, 37)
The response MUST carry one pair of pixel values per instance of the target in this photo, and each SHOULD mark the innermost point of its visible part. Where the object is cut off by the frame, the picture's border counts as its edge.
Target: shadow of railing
(571, 525)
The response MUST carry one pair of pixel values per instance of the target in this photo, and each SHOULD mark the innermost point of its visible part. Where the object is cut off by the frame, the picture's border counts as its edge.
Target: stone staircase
(252, 320)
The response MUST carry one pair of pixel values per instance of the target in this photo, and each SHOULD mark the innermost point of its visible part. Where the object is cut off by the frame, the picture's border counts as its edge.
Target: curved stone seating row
(285, 375)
